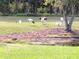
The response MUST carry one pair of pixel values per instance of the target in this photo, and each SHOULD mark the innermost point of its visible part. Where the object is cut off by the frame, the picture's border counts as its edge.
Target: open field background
(15, 18)
(8, 25)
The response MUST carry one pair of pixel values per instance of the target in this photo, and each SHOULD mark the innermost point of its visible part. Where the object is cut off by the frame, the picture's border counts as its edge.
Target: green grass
(13, 27)
(22, 51)
(8, 24)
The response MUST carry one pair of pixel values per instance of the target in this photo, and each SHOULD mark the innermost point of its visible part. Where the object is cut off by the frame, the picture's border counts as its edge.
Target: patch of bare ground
(45, 37)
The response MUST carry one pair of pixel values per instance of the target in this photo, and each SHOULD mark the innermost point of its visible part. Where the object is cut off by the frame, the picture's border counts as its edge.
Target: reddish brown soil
(43, 36)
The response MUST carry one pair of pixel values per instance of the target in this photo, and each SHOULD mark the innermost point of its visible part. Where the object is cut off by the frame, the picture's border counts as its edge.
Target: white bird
(62, 20)
(19, 21)
(43, 20)
(60, 23)
(31, 20)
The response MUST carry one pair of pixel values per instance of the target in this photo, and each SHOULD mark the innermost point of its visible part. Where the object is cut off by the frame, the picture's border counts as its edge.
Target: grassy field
(22, 51)
(8, 24)
(13, 27)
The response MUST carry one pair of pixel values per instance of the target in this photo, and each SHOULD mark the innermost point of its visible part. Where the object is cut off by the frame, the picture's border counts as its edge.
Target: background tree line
(35, 7)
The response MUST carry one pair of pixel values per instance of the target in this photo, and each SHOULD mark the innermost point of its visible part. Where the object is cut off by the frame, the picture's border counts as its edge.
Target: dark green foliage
(34, 6)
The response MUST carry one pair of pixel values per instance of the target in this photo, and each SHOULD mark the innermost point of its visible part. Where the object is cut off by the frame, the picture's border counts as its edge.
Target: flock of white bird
(43, 20)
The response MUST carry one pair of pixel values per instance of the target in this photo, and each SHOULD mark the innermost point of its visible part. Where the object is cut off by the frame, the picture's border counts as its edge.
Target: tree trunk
(26, 8)
(68, 28)
(68, 25)
(65, 19)
(72, 17)
(35, 7)
(17, 2)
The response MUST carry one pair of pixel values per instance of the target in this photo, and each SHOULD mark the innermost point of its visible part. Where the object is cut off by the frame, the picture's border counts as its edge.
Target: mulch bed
(47, 36)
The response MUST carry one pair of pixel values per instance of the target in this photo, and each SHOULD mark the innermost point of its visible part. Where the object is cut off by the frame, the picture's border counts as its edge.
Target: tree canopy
(54, 7)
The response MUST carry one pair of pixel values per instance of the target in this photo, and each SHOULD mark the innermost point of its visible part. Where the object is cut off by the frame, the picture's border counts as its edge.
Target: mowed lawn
(8, 24)
(13, 27)
(22, 51)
